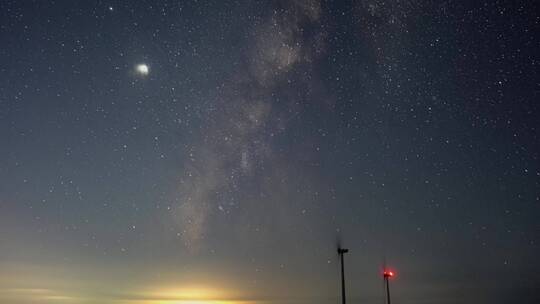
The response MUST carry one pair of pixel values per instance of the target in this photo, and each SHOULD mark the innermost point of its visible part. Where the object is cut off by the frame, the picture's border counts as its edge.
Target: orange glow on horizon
(194, 292)
(193, 295)
(190, 295)
(195, 302)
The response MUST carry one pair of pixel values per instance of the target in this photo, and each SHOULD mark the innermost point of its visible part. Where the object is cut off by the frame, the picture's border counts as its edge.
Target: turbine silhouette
(387, 274)
(341, 252)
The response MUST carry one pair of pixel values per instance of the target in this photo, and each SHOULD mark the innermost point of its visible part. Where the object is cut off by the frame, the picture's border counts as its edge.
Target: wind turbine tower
(387, 274)
(341, 252)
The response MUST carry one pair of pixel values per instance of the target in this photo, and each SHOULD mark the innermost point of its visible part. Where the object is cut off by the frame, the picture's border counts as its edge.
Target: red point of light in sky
(388, 273)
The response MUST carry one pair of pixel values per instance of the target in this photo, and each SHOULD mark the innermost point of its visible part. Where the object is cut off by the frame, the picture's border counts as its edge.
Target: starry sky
(215, 151)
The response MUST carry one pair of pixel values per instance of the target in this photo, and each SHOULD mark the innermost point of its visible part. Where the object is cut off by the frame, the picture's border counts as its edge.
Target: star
(142, 69)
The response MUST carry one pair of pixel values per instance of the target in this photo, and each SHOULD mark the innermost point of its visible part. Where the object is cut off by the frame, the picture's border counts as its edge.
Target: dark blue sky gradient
(263, 132)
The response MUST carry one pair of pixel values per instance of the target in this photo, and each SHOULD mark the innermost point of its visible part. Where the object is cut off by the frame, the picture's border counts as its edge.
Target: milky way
(177, 151)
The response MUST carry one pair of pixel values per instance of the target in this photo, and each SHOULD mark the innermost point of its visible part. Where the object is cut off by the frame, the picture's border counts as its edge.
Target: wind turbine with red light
(387, 274)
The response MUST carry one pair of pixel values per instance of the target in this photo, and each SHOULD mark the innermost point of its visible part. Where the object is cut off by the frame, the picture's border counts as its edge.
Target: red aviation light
(388, 273)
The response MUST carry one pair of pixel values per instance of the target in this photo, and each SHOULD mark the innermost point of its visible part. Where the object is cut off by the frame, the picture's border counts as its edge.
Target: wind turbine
(387, 274)
(341, 252)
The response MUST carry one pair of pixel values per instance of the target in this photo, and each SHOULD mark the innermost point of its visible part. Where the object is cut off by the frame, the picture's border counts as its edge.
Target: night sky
(160, 152)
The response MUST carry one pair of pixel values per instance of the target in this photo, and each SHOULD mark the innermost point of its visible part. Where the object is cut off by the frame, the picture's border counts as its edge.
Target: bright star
(142, 69)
